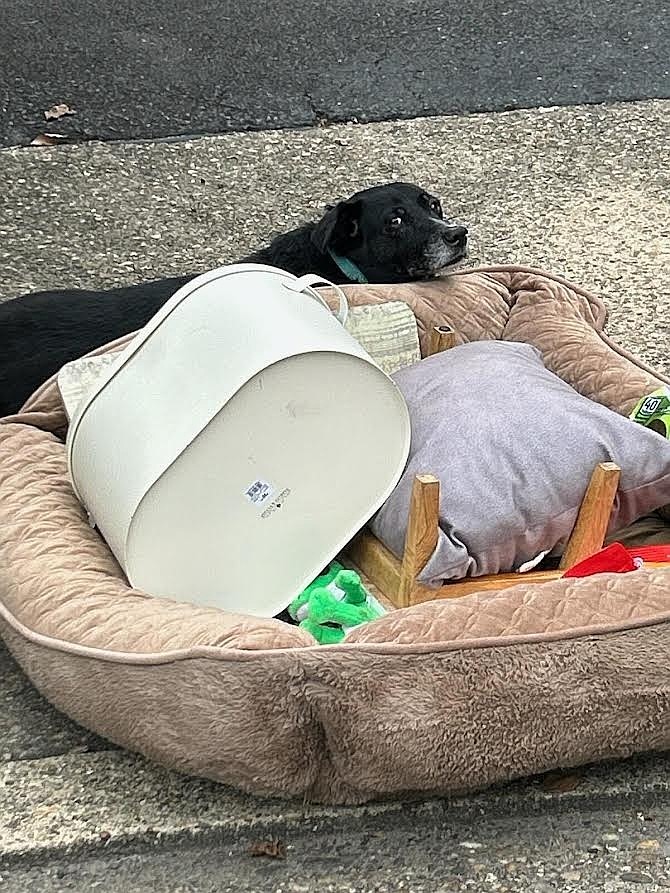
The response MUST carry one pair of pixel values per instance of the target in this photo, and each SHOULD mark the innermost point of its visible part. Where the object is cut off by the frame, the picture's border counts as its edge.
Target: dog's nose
(456, 235)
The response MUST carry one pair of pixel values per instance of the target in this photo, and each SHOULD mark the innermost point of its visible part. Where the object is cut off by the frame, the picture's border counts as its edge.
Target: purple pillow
(514, 447)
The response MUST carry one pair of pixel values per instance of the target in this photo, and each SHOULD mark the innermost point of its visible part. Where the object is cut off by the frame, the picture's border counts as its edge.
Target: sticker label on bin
(259, 493)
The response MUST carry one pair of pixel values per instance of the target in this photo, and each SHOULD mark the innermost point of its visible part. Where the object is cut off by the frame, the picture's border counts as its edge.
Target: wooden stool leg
(588, 534)
(422, 534)
(441, 338)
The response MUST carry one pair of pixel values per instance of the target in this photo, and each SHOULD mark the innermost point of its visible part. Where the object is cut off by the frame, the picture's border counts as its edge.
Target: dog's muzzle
(447, 247)
(455, 237)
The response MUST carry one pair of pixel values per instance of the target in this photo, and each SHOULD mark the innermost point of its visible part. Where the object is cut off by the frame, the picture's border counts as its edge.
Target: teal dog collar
(348, 268)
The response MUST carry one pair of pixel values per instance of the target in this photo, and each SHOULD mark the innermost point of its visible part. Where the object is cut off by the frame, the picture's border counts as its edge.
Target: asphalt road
(161, 68)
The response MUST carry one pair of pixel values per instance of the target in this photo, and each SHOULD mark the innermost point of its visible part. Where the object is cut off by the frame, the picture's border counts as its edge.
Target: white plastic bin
(238, 442)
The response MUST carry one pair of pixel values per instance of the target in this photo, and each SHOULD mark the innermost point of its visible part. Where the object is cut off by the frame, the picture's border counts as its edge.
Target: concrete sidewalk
(581, 191)
(120, 824)
(584, 192)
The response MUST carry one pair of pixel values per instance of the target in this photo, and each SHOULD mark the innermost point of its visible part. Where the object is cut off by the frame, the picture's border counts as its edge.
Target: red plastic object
(651, 553)
(615, 559)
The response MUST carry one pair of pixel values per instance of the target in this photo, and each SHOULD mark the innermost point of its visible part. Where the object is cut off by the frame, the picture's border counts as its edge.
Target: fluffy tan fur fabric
(444, 697)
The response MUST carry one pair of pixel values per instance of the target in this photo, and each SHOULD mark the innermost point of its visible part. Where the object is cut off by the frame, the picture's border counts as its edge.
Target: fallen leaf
(555, 783)
(48, 139)
(273, 849)
(648, 845)
(58, 111)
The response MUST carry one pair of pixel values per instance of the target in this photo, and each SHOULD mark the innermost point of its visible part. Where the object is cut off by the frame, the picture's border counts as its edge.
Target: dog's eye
(435, 207)
(395, 221)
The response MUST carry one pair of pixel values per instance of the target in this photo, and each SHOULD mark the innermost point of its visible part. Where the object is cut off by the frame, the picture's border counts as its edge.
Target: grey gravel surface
(158, 68)
(584, 192)
(622, 846)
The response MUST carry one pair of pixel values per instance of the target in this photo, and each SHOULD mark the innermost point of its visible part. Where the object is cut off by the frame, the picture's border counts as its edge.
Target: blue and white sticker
(259, 493)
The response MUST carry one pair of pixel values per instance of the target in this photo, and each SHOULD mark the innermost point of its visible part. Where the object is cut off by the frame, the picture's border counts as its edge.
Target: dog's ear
(338, 225)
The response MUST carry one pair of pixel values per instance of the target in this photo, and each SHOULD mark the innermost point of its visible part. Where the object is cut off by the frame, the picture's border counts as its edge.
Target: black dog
(386, 234)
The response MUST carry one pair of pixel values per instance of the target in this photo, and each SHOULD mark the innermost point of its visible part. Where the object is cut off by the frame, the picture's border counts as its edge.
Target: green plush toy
(332, 604)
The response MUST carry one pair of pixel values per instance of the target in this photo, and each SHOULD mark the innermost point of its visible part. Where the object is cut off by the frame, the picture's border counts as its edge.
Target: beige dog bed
(441, 697)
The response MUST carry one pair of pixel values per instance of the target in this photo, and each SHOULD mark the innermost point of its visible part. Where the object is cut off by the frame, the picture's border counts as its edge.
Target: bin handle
(304, 283)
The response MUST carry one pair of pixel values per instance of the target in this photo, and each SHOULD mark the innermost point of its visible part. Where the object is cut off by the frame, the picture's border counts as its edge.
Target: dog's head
(392, 233)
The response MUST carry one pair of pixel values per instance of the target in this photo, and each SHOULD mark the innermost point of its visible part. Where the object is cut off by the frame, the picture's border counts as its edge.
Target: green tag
(653, 411)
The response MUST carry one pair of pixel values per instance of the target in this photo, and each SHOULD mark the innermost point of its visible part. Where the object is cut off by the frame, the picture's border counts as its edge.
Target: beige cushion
(388, 332)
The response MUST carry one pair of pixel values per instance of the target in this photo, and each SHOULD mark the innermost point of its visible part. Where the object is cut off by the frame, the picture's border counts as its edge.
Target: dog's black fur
(392, 233)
